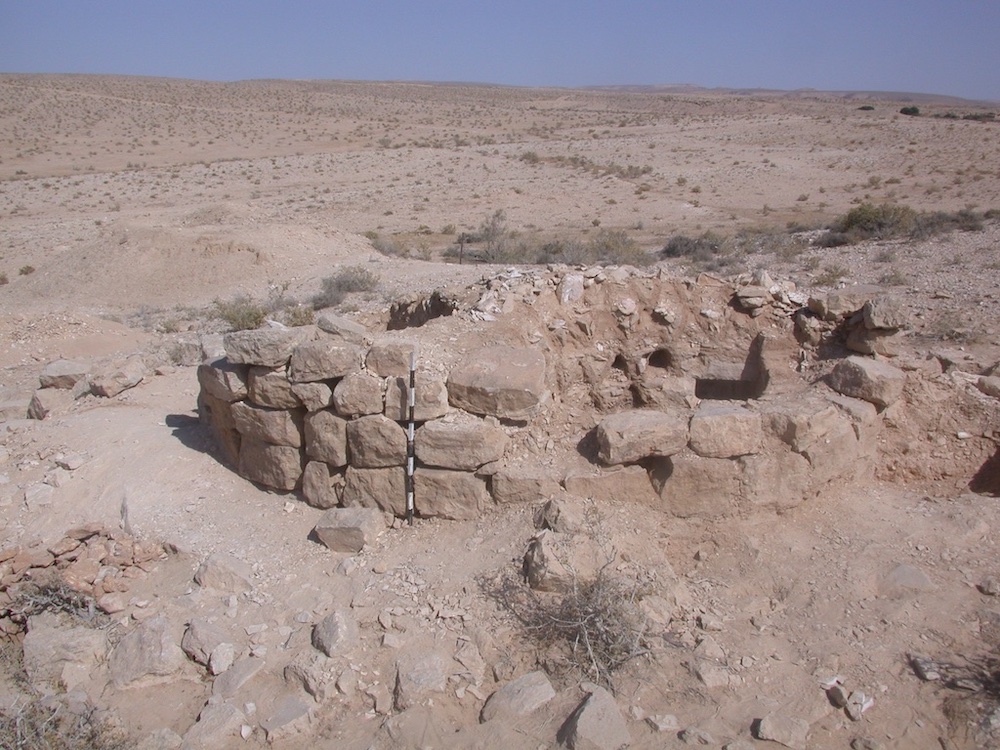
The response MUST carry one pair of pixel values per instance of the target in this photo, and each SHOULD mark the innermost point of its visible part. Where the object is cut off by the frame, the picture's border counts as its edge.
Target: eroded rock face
(634, 435)
(501, 381)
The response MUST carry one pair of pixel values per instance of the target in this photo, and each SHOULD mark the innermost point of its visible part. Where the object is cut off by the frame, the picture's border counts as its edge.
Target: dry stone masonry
(701, 398)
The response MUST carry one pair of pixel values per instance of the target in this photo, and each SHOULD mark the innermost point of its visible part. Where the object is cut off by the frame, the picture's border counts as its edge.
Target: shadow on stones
(986, 481)
(589, 448)
(193, 434)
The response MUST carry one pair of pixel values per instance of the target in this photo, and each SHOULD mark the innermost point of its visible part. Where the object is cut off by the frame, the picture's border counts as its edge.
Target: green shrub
(871, 222)
(241, 313)
(911, 111)
(697, 248)
(26, 270)
(334, 289)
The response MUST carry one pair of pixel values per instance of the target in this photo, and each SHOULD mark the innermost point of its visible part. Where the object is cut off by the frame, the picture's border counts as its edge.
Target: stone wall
(322, 410)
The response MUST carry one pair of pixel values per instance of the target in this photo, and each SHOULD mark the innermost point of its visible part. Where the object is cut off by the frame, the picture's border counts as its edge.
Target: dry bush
(241, 313)
(888, 221)
(334, 289)
(45, 724)
(592, 630)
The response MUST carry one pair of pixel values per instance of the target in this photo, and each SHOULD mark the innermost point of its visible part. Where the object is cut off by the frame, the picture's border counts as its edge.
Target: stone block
(63, 374)
(501, 381)
(340, 327)
(275, 466)
(523, 484)
(48, 401)
(358, 395)
(321, 487)
(119, 378)
(269, 387)
(268, 347)
(349, 529)
(376, 442)
(463, 446)
(314, 396)
(519, 697)
(218, 414)
(323, 359)
(430, 402)
(695, 486)
(391, 357)
(868, 379)
(631, 482)
(631, 436)
(449, 494)
(326, 437)
(384, 489)
(725, 431)
(224, 380)
(275, 426)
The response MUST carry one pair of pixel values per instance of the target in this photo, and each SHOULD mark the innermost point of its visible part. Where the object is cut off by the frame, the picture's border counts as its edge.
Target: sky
(926, 46)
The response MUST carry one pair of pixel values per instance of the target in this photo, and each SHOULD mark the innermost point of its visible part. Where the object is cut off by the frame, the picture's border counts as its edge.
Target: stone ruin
(702, 397)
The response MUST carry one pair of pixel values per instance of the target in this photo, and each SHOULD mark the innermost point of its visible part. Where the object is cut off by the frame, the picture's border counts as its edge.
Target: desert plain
(134, 210)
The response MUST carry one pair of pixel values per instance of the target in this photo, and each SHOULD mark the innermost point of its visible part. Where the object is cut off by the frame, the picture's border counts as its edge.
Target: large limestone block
(336, 633)
(218, 414)
(634, 435)
(691, 486)
(54, 651)
(874, 341)
(63, 374)
(269, 387)
(276, 426)
(524, 484)
(46, 401)
(462, 446)
(725, 431)
(779, 480)
(803, 423)
(349, 529)
(358, 395)
(384, 489)
(376, 442)
(268, 347)
(449, 494)
(340, 327)
(519, 697)
(885, 313)
(224, 573)
(500, 381)
(147, 655)
(326, 437)
(314, 396)
(419, 673)
(321, 487)
(430, 398)
(391, 357)
(223, 380)
(596, 724)
(868, 379)
(628, 481)
(323, 359)
(277, 466)
(121, 377)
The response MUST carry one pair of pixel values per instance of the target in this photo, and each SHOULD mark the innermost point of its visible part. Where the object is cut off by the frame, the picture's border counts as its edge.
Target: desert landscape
(707, 416)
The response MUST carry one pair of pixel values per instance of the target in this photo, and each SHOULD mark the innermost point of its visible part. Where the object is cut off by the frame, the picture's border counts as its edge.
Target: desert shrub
(869, 221)
(46, 724)
(389, 246)
(530, 157)
(241, 313)
(887, 221)
(297, 315)
(697, 248)
(495, 236)
(866, 108)
(831, 275)
(26, 270)
(334, 289)
(911, 111)
(3, 279)
(592, 630)
(615, 247)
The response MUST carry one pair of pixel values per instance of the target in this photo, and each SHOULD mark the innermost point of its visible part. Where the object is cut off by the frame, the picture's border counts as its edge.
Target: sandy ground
(137, 202)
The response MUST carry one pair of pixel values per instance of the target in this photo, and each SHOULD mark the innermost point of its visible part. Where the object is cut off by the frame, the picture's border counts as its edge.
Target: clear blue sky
(929, 46)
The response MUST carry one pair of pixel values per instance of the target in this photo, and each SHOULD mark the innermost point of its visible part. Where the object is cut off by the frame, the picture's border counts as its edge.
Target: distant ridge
(896, 96)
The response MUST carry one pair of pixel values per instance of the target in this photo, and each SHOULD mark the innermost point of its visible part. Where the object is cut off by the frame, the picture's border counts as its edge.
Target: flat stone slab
(633, 435)
(349, 529)
(868, 379)
(501, 381)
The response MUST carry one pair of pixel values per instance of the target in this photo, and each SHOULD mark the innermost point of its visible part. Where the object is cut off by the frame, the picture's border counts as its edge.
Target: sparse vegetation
(910, 111)
(888, 221)
(241, 313)
(334, 289)
(26, 270)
